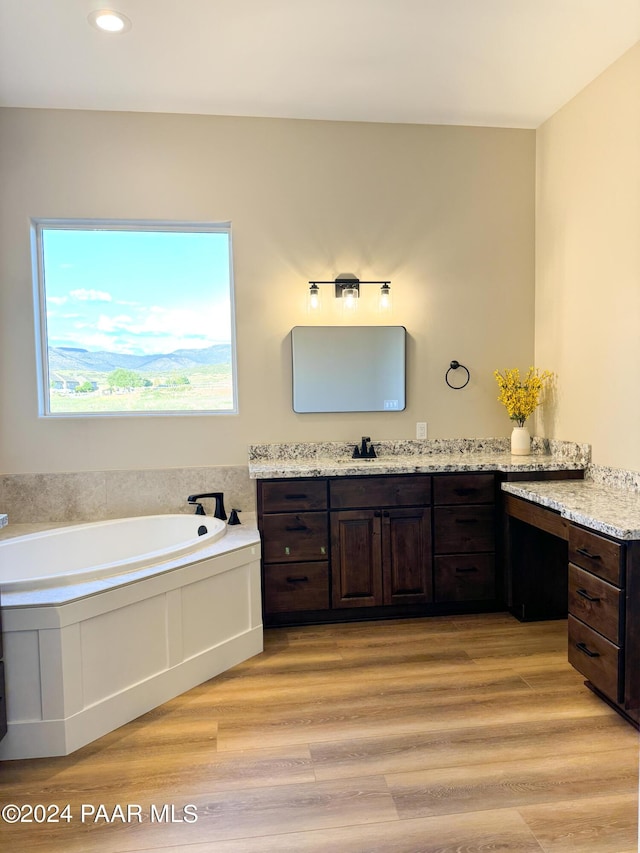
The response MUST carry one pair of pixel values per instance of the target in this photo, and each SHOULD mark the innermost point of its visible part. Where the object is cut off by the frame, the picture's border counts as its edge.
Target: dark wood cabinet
(464, 537)
(557, 567)
(381, 557)
(294, 526)
(596, 615)
(380, 546)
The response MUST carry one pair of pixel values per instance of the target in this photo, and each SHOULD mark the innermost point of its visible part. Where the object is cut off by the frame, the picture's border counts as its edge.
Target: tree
(84, 388)
(122, 378)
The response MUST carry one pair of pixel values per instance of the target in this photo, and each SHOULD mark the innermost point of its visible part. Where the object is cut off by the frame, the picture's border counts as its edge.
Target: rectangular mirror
(348, 368)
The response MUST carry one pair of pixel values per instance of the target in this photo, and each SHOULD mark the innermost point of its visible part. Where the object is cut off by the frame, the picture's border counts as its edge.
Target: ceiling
(503, 63)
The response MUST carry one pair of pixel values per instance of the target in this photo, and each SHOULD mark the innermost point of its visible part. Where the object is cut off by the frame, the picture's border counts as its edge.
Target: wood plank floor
(463, 734)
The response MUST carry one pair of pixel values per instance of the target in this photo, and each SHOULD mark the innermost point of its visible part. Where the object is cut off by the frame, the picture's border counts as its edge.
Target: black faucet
(218, 512)
(364, 452)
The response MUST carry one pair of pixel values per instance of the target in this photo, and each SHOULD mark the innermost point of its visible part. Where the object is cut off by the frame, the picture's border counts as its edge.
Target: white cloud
(90, 295)
(114, 324)
(56, 300)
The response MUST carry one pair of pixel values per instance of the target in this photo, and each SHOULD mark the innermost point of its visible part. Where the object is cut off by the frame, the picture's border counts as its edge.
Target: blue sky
(138, 292)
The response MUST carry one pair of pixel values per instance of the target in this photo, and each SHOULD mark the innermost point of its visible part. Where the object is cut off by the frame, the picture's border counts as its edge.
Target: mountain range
(74, 358)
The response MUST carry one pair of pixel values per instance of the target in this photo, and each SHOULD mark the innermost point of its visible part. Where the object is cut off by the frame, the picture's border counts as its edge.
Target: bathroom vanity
(575, 548)
(404, 534)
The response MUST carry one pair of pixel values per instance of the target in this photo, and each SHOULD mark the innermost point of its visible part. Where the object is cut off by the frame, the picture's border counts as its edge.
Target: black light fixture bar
(350, 283)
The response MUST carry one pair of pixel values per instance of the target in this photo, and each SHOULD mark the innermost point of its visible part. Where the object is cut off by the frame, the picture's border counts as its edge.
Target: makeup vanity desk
(574, 547)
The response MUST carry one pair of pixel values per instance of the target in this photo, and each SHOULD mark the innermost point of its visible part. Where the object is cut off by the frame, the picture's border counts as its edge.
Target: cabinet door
(406, 556)
(356, 558)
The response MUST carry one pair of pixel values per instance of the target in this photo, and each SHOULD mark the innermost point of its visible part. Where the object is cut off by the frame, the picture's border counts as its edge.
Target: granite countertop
(411, 457)
(603, 508)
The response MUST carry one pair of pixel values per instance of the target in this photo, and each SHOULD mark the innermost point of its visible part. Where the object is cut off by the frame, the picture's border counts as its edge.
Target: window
(134, 318)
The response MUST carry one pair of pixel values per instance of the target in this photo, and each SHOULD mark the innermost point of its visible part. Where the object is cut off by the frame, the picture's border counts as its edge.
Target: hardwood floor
(437, 735)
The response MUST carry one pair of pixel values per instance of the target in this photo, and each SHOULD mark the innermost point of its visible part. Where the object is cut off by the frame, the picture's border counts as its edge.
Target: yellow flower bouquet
(521, 396)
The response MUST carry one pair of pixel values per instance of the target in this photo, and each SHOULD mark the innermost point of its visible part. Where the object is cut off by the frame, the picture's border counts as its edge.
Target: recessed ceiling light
(109, 21)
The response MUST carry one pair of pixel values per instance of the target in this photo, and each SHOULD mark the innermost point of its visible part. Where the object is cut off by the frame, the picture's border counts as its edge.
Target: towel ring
(454, 366)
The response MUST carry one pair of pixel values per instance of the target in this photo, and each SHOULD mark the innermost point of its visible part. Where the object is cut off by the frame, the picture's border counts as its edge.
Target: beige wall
(587, 315)
(447, 213)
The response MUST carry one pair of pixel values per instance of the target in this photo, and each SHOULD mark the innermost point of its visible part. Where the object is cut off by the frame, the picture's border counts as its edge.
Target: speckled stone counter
(333, 459)
(605, 508)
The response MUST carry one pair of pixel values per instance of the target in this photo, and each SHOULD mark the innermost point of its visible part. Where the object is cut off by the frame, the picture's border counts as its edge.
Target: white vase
(520, 441)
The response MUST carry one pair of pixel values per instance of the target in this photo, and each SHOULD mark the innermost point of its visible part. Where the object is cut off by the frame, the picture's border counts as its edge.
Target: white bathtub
(105, 621)
(70, 555)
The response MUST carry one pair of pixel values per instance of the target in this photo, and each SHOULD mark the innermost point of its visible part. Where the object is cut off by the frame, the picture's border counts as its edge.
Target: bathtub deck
(82, 660)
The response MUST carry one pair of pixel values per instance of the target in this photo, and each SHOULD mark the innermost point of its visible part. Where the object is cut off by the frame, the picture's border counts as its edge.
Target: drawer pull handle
(586, 553)
(466, 569)
(584, 594)
(302, 579)
(295, 497)
(585, 650)
(292, 528)
(466, 520)
(465, 492)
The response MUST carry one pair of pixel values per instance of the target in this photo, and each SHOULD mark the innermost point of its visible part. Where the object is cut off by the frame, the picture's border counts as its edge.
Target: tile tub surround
(78, 496)
(329, 459)
(604, 508)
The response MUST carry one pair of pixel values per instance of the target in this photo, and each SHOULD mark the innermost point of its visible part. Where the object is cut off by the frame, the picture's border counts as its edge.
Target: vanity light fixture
(110, 21)
(347, 288)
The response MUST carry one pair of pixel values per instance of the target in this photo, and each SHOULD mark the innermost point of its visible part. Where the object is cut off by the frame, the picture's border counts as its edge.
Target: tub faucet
(218, 512)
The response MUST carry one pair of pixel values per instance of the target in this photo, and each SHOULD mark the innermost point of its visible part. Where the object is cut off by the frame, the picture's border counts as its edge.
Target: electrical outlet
(421, 429)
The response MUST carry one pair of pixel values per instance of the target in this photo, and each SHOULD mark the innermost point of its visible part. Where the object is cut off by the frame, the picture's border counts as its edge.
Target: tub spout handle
(233, 517)
(198, 506)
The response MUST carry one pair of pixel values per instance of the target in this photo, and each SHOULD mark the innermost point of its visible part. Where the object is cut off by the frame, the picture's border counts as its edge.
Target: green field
(210, 389)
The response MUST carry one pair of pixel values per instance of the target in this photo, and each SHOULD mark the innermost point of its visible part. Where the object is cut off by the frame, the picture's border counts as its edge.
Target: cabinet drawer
(602, 557)
(465, 578)
(370, 492)
(460, 530)
(464, 489)
(296, 586)
(595, 602)
(596, 658)
(295, 537)
(291, 495)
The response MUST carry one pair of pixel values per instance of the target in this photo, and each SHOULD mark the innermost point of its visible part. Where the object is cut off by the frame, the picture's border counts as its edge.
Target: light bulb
(385, 297)
(314, 297)
(109, 21)
(350, 298)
